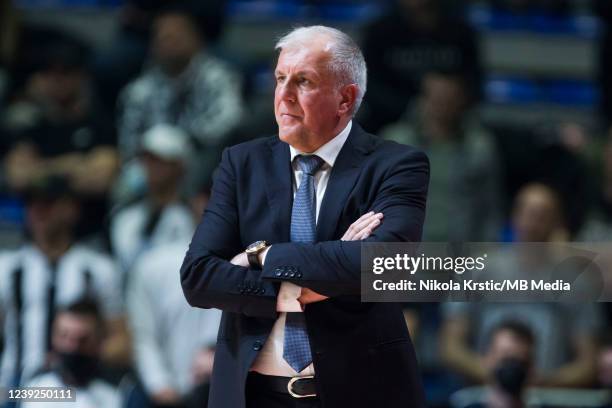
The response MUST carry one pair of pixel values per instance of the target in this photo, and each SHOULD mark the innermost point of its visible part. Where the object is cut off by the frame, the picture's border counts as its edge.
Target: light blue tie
(296, 350)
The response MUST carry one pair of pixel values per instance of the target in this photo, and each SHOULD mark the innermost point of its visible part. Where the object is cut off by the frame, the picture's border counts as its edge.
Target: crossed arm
(330, 268)
(359, 230)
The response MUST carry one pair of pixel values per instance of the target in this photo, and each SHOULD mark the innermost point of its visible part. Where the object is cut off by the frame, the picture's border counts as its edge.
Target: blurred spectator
(160, 217)
(538, 215)
(564, 332)
(414, 38)
(464, 201)
(508, 362)
(58, 127)
(123, 59)
(186, 86)
(560, 329)
(175, 370)
(604, 363)
(76, 346)
(598, 224)
(48, 273)
(553, 153)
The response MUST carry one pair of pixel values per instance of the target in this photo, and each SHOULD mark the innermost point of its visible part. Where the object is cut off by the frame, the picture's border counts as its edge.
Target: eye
(304, 81)
(280, 78)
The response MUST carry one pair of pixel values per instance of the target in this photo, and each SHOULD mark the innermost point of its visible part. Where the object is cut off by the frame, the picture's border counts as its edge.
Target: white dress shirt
(270, 360)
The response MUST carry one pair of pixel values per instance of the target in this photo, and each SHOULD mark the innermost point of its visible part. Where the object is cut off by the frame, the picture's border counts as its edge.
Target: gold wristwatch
(253, 252)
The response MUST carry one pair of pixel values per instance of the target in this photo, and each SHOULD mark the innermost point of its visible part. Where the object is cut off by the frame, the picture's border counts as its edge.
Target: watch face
(256, 246)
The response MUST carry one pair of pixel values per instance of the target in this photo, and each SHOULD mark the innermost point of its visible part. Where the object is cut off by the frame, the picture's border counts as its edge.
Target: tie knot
(309, 164)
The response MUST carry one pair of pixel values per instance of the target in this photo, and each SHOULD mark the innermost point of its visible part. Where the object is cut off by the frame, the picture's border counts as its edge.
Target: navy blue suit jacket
(362, 352)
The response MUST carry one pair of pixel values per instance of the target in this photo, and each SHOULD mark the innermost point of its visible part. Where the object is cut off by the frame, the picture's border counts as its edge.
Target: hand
(166, 396)
(202, 367)
(241, 260)
(360, 229)
(310, 296)
(363, 227)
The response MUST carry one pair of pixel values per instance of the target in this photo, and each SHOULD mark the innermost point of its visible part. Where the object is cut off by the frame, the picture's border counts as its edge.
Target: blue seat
(512, 90)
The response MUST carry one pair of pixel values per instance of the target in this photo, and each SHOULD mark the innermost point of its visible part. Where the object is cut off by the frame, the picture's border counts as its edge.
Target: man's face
(73, 333)
(444, 99)
(307, 99)
(536, 214)
(175, 42)
(49, 217)
(161, 174)
(58, 85)
(505, 344)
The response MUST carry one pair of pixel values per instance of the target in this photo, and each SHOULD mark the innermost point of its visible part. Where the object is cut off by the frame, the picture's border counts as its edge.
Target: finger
(347, 236)
(367, 231)
(363, 235)
(365, 220)
(355, 227)
(358, 226)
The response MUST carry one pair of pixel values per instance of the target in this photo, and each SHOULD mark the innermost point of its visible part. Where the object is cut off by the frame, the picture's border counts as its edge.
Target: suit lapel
(279, 184)
(341, 181)
(279, 187)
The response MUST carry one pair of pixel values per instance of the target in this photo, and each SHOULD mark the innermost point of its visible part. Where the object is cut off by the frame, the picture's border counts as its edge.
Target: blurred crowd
(108, 157)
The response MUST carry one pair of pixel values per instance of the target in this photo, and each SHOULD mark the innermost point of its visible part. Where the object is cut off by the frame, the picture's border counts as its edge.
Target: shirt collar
(330, 150)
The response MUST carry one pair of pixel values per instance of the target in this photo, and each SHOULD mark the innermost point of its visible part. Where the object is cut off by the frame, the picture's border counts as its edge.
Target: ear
(348, 96)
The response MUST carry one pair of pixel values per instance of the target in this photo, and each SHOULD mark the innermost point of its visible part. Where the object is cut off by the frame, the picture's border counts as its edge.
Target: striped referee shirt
(32, 289)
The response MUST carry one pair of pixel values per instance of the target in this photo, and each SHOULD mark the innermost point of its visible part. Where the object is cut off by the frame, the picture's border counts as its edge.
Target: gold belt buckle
(290, 386)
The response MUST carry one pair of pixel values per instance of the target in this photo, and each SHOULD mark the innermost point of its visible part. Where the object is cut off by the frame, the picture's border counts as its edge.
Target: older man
(294, 332)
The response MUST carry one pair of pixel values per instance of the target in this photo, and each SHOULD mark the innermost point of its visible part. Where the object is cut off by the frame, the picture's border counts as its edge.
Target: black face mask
(511, 375)
(80, 368)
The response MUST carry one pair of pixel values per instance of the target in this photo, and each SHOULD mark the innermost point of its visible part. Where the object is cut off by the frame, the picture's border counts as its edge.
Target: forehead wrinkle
(318, 58)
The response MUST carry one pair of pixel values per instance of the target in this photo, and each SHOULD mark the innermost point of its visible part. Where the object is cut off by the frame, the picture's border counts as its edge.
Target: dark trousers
(258, 396)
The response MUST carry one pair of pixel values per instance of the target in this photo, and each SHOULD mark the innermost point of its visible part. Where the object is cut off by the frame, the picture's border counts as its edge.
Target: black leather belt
(297, 387)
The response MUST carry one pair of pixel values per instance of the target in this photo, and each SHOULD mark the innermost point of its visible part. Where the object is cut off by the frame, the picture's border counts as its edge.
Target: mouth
(287, 119)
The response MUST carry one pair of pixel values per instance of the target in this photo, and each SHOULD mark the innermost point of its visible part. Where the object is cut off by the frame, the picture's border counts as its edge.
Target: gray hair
(347, 60)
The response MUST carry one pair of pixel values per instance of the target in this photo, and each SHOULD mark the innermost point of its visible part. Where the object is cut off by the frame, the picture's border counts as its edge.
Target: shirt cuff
(287, 300)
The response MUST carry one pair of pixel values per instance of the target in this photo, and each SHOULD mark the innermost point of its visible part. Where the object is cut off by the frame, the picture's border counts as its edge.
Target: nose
(286, 92)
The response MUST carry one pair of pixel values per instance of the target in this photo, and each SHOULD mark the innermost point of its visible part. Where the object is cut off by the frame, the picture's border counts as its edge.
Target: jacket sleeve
(208, 279)
(333, 268)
